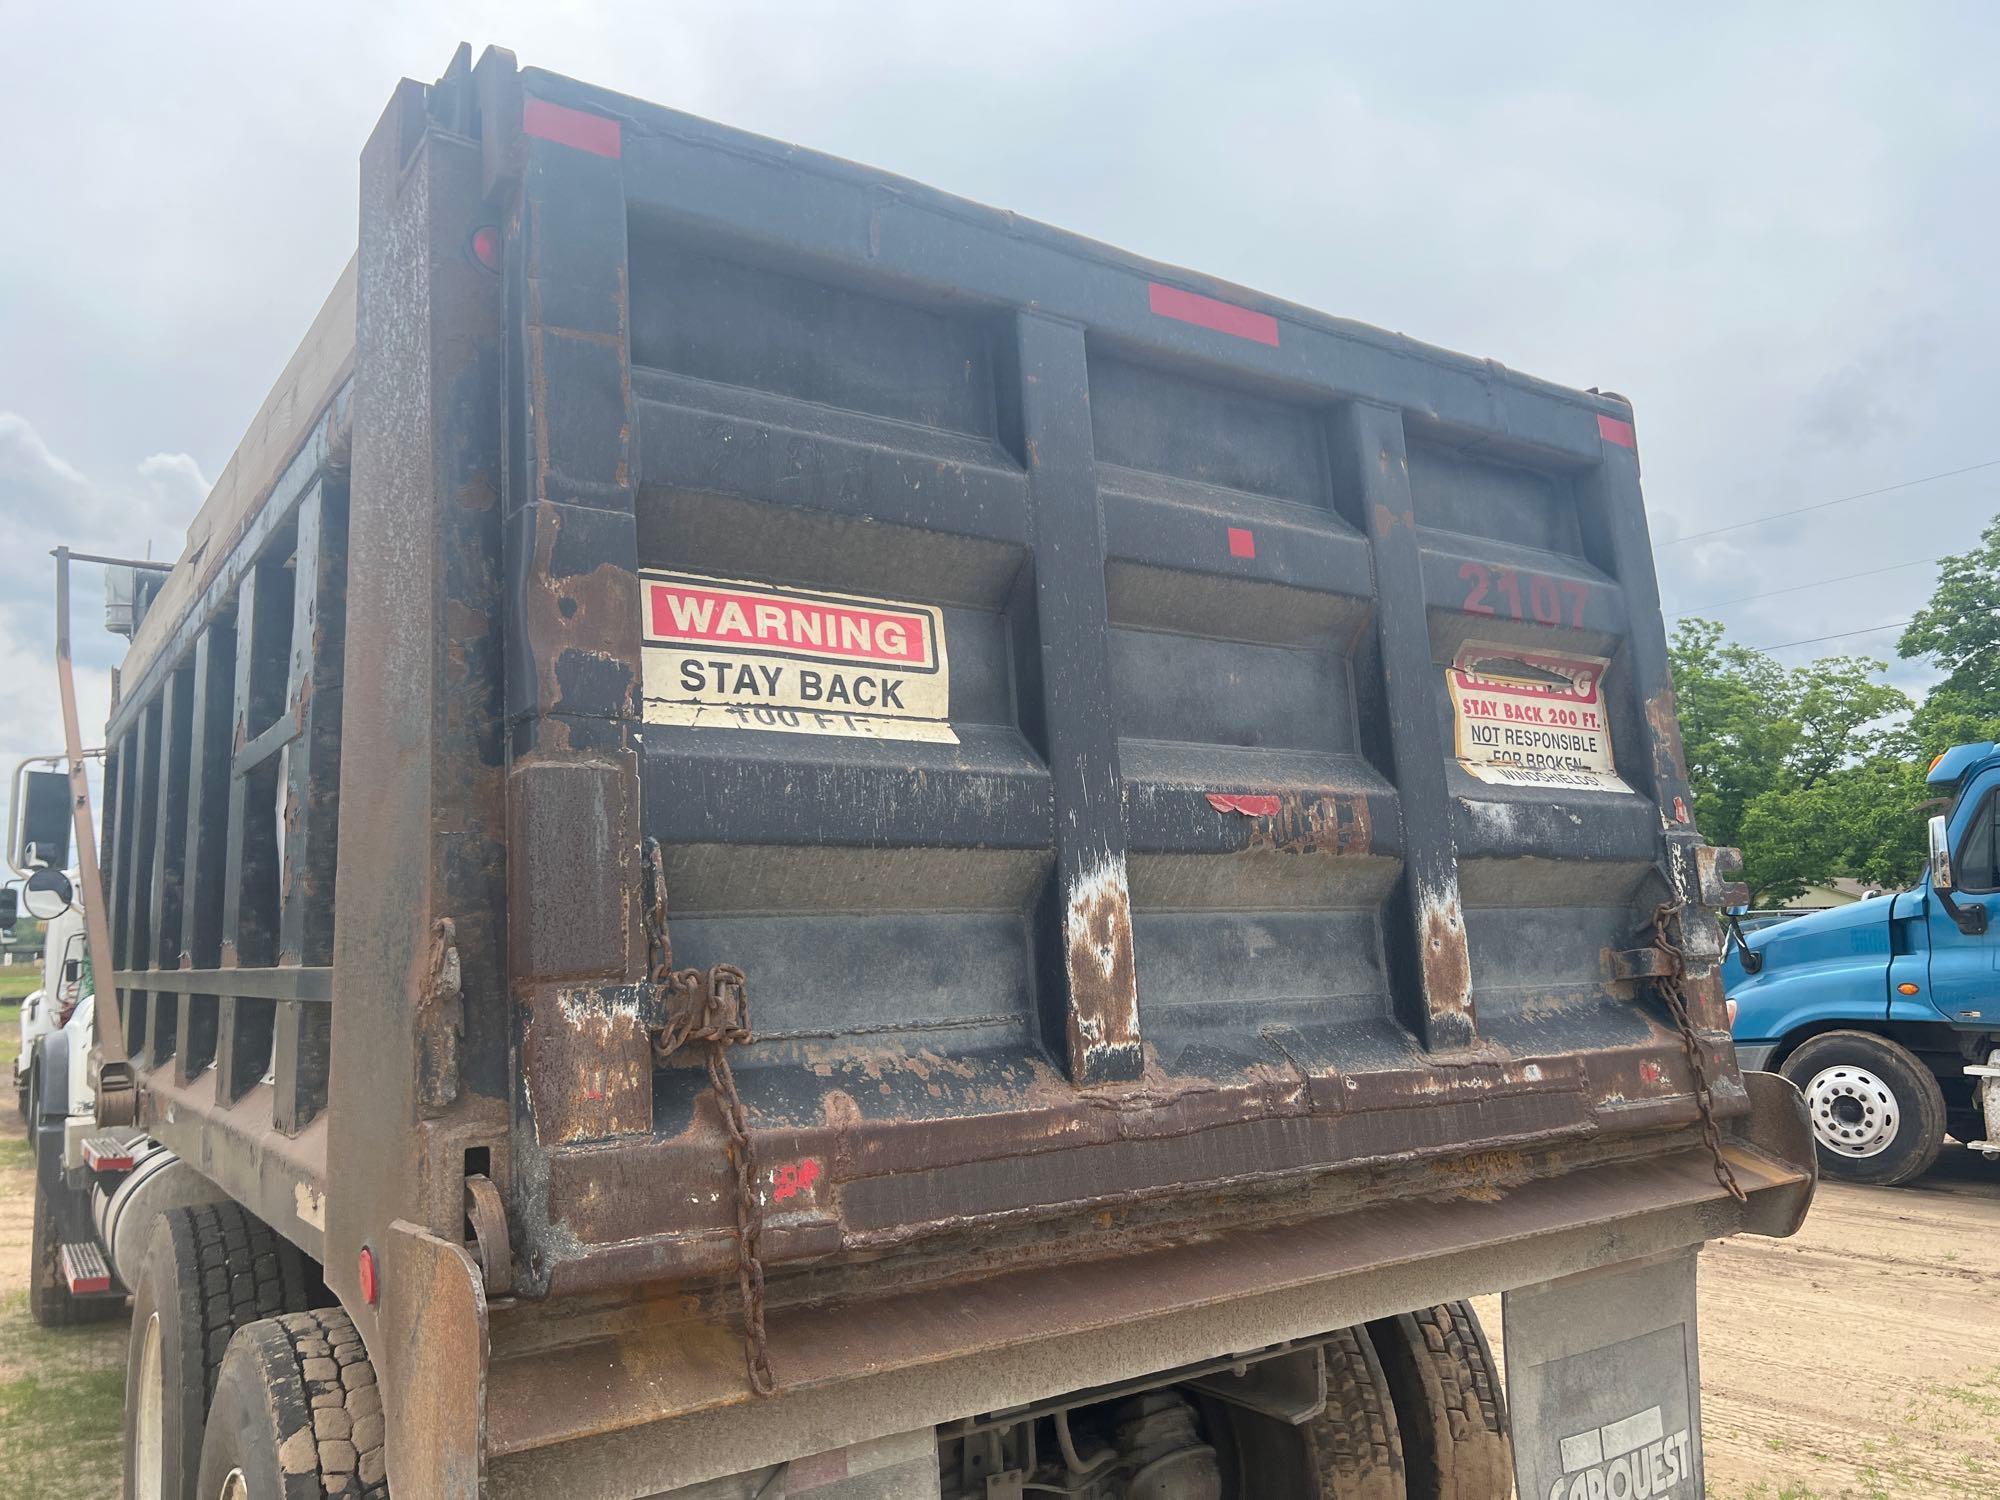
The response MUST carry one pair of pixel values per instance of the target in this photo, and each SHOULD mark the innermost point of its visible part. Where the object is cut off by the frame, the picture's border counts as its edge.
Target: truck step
(107, 1153)
(85, 1270)
(1988, 1149)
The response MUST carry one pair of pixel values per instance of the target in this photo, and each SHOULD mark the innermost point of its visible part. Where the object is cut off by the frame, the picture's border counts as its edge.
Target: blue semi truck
(1886, 1013)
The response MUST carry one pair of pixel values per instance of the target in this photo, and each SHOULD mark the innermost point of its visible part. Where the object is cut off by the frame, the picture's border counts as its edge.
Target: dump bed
(1094, 759)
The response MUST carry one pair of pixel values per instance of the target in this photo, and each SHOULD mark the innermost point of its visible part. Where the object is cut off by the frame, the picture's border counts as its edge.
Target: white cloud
(176, 479)
(46, 501)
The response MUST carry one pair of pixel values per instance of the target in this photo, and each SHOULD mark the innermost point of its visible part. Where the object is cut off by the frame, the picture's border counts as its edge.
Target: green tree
(1806, 769)
(1959, 629)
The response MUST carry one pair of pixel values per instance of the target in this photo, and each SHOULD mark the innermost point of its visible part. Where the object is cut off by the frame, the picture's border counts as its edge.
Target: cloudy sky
(1773, 227)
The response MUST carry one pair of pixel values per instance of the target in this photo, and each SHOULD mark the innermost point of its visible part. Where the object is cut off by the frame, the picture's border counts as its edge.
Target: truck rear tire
(1450, 1403)
(208, 1271)
(297, 1414)
(1877, 1112)
(1356, 1443)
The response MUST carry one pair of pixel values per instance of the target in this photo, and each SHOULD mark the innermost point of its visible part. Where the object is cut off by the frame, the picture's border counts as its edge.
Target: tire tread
(1357, 1448)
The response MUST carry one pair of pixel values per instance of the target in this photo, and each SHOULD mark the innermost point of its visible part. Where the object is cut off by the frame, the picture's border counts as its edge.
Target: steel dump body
(1036, 667)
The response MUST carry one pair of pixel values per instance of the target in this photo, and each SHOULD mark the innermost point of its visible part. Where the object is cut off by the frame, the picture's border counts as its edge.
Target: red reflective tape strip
(1242, 802)
(1242, 542)
(1206, 312)
(571, 127)
(84, 1286)
(1614, 431)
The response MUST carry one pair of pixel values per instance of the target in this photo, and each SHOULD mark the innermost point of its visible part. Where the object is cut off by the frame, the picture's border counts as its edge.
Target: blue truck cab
(1886, 1013)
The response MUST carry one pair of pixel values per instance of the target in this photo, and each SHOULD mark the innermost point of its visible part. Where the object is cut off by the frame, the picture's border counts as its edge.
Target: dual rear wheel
(238, 1383)
(1415, 1411)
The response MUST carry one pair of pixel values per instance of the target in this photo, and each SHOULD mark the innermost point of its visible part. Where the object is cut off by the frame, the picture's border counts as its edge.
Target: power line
(1887, 489)
(1816, 583)
(1838, 635)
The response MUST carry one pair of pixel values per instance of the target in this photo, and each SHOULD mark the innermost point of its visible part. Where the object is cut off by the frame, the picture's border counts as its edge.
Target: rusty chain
(1666, 939)
(712, 1008)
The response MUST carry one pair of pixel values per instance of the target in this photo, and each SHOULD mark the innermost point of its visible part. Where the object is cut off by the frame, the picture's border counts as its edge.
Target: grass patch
(18, 980)
(62, 1399)
(60, 1427)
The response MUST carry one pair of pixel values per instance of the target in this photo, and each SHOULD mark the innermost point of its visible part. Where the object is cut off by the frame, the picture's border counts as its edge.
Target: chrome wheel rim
(235, 1487)
(1854, 1113)
(150, 1420)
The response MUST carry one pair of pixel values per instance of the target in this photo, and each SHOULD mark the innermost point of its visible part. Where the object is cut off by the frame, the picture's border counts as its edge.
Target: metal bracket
(1641, 963)
(488, 1217)
(431, 1349)
(1290, 1387)
(1713, 867)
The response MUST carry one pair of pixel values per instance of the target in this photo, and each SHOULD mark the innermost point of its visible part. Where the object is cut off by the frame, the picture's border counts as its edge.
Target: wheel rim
(147, 1458)
(1854, 1113)
(235, 1487)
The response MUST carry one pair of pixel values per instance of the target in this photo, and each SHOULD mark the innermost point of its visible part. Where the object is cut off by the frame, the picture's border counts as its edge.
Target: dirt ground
(1860, 1358)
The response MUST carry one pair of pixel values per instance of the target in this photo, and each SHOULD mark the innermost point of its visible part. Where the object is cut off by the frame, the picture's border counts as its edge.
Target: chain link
(712, 1009)
(1667, 939)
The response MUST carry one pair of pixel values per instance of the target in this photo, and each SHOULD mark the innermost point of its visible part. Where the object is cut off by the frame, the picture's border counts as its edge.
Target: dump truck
(784, 835)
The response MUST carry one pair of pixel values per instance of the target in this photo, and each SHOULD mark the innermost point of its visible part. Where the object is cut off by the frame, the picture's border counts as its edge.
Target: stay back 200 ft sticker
(1528, 718)
(728, 654)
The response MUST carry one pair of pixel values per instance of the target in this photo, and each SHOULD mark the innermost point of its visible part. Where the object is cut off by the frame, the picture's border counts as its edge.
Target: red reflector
(1614, 431)
(1206, 312)
(571, 127)
(1242, 543)
(370, 1291)
(1243, 802)
(486, 246)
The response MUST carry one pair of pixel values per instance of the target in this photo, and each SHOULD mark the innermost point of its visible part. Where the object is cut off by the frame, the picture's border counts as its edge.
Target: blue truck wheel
(1877, 1113)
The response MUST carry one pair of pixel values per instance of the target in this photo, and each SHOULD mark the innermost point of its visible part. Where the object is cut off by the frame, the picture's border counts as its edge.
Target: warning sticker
(725, 654)
(1522, 718)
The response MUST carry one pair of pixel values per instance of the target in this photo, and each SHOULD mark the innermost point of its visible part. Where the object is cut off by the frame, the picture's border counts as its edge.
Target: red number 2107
(1545, 598)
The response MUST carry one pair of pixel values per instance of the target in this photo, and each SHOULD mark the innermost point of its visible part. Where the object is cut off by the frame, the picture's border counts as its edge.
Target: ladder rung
(107, 1153)
(84, 1269)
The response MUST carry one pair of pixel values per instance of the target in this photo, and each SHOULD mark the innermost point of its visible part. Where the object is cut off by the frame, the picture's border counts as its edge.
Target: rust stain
(1447, 961)
(1665, 723)
(1103, 977)
(1482, 1177)
(588, 1061)
(440, 1020)
(1335, 823)
(589, 617)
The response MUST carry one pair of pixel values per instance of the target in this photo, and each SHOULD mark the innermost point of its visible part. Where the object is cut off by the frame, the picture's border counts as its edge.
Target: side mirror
(48, 893)
(42, 827)
(1940, 855)
(10, 908)
(1971, 920)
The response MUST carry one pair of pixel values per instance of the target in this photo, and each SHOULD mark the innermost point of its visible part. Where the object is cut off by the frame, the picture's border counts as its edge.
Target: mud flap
(1604, 1379)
